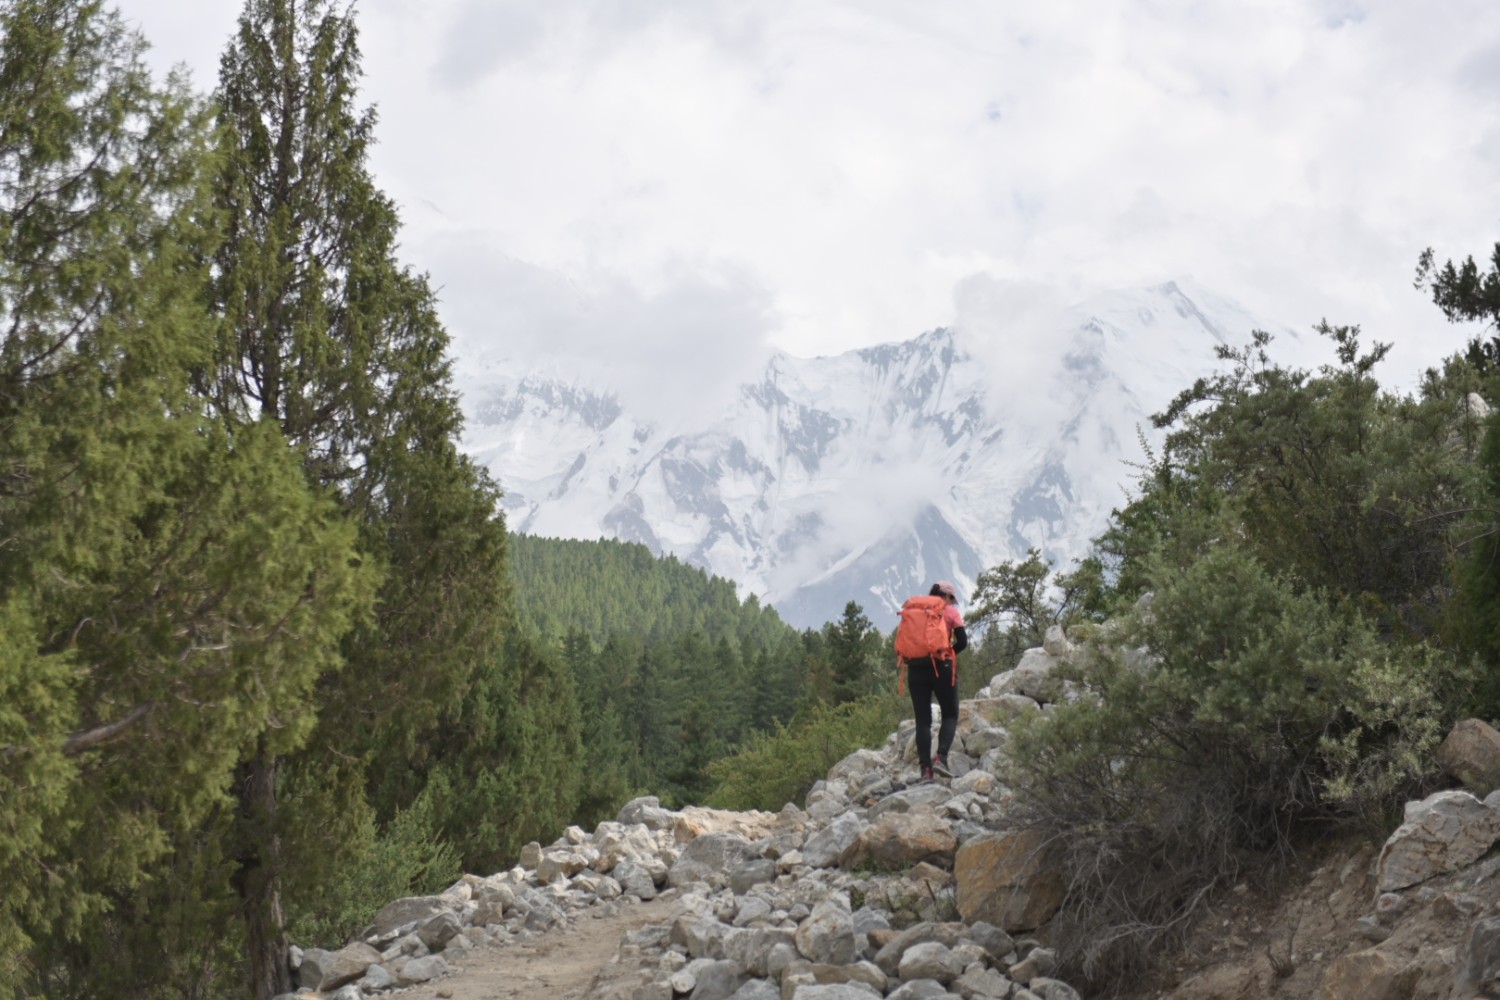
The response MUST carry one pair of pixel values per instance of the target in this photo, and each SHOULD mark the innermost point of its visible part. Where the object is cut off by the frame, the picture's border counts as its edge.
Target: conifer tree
(326, 334)
(146, 635)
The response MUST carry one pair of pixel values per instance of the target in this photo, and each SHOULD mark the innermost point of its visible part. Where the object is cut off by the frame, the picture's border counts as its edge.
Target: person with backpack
(928, 641)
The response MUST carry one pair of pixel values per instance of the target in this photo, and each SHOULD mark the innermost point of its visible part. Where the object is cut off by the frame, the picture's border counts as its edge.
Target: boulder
(827, 935)
(647, 812)
(437, 931)
(1478, 972)
(757, 989)
(400, 912)
(1056, 641)
(824, 847)
(1442, 833)
(1471, 753)
(748, 874)
(423, 970)
(1368, 975)
(328, 970)
(900, 840)
(712, 854)
(890, 954)
(1004, 879)
(1032, 677)
(930, 960)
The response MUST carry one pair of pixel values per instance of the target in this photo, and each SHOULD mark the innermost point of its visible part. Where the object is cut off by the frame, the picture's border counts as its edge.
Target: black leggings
(924, 682)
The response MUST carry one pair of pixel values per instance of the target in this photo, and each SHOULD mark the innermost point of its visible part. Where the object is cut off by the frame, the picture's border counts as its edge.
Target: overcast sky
(701, 179)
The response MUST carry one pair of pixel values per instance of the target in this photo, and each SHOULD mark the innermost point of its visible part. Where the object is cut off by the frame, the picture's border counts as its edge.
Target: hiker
(928, 642)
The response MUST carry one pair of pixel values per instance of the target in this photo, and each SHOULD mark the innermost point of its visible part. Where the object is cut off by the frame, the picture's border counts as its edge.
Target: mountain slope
(866, 475)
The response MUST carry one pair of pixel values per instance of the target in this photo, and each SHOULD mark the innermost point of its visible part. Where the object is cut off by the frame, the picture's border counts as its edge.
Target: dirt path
(557, 965)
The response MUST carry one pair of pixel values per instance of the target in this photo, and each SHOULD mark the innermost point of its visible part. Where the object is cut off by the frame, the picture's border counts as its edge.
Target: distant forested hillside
(671, 669)
(606, 587)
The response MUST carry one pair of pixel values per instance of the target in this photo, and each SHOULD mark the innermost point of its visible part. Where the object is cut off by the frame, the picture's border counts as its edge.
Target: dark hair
(936, 591)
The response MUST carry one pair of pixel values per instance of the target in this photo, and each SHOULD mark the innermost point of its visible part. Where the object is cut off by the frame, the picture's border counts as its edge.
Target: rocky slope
(883, 887)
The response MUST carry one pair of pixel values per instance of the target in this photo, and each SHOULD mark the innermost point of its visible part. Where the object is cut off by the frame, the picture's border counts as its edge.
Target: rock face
(1004, 879)
(1440, 834)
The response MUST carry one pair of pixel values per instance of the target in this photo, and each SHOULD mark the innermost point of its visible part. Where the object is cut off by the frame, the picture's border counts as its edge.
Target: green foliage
(774, 768)
(1267, 712)
(1296, 537)
(405, 858)
(669, 666)
(1015, 604)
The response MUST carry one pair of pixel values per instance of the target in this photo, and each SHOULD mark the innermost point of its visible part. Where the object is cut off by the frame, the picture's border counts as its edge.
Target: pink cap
(945, 587)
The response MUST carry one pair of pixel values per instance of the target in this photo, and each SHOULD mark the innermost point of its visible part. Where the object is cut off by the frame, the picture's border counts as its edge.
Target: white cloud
(845, 169)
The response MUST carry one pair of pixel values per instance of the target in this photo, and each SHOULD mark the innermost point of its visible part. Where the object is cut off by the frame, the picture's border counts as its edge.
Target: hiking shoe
(926, 774)
(940, 766)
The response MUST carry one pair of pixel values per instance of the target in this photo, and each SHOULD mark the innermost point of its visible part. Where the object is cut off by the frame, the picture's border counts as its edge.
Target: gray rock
(751, 948)
(757, 989)
(377, 978)
(930, 960)
(827, 935)
(423, 970)
(1478, 964)
(404, 911)
(1037, 963)
(747, 875)
(824, 847)
(979, 983)
(718, 981)
(1442, 833)
(700, 935)
(920, 989)
(635, 880)
(947, 934)
(437, 931)
(1053, 989)
(835, 991)
(349, 992)
(646, 811)
(753, 908)
(328, 970)
(867, 919)
(709, 856)
(1000, 946)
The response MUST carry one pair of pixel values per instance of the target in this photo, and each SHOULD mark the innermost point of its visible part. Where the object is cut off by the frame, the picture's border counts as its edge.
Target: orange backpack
(922, 634)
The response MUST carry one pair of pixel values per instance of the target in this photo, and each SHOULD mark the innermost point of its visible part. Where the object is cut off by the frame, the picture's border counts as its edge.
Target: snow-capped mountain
(867, 475)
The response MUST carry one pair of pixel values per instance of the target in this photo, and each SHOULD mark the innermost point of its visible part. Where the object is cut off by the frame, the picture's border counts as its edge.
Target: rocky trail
(884, 888)
(562, 965)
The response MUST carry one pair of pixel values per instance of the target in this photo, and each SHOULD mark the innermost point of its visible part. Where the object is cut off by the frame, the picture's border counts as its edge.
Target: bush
(407, 858)
(774, 768)
(1268, 712)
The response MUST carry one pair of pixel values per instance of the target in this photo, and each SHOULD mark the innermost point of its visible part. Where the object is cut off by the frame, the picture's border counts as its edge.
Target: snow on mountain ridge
(865, 475)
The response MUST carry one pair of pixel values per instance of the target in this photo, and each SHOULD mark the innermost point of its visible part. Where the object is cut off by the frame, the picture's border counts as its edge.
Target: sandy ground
(558, 965)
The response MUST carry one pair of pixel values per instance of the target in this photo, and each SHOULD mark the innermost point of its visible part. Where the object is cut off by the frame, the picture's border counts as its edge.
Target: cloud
(672, 350)
(862, 160)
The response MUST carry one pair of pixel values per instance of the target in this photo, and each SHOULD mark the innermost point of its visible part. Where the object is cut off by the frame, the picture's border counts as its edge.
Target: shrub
(406, 858)
(1268, 711)
(774, 768)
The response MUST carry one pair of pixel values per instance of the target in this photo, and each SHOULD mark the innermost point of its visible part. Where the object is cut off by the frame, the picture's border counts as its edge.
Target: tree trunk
(260, 882)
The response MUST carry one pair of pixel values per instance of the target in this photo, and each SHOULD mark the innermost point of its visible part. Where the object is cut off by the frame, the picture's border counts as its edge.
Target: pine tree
(329, 337)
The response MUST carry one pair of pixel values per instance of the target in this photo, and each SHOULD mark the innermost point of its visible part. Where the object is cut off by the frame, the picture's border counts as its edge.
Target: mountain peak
(865, 475)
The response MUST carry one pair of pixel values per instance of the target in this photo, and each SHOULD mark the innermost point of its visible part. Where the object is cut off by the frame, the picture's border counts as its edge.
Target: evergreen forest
(269, 657)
